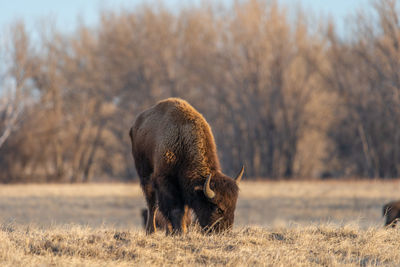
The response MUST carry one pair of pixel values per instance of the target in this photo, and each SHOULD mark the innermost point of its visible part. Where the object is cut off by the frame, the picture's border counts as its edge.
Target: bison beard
(176, 159)
(392, 213)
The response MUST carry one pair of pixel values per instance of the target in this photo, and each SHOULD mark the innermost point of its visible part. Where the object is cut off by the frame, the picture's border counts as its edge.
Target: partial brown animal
(160, 221)
(392, 212)
(176, 158)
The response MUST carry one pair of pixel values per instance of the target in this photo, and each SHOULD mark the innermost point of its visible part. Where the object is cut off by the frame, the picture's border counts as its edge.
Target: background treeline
(285, 94)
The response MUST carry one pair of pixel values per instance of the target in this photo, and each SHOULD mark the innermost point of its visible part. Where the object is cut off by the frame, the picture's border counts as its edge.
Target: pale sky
(65, 13)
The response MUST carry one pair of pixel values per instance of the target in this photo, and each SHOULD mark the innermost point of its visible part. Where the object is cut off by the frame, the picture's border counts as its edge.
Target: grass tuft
(298, 246)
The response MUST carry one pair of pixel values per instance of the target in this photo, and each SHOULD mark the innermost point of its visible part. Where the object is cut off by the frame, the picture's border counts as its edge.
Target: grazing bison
(392, 212)
(160, 220)
(176, 158)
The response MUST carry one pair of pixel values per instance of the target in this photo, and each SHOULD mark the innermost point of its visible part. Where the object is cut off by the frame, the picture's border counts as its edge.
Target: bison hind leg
(151, 200)
(145, 170)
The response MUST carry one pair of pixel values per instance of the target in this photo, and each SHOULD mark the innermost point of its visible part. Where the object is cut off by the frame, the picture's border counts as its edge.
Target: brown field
(277, 223)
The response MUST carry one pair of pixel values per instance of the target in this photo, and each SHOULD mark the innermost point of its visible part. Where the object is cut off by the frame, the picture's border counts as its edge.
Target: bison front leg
(178, 221)
(171, 206)
(186, 220)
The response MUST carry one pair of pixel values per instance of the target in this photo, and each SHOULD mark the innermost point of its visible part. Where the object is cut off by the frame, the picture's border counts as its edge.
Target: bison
(160, 220)
(176, 159)
(392, 212)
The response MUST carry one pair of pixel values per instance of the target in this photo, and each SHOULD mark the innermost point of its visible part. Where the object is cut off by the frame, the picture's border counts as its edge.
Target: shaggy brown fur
(392, 212)
(174, 153)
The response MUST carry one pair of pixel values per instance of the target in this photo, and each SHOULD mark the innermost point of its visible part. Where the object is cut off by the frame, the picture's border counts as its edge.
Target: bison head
(217, 211)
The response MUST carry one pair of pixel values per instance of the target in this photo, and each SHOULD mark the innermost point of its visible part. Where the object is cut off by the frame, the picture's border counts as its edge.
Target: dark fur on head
(175, 154)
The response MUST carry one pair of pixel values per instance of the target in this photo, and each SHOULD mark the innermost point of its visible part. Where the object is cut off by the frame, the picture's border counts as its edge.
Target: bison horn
(239, 176)
(207, 190)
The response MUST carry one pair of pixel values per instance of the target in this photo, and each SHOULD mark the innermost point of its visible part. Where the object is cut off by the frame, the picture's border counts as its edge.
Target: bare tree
(290, 99)
(15, 74)
(364, 73)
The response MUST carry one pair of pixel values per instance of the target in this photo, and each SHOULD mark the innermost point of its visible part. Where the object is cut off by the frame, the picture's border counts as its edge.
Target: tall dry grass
(276, 224)
(321, 245)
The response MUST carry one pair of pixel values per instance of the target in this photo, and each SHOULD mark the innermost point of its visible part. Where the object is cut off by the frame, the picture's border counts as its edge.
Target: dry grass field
(276, 224)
